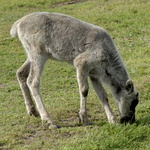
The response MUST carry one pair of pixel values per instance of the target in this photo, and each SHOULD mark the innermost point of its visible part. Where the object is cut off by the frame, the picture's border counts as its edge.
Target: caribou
(89, 48)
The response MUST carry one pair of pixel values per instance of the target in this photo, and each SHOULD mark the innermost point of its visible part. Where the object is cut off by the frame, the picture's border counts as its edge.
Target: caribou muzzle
(127, 119)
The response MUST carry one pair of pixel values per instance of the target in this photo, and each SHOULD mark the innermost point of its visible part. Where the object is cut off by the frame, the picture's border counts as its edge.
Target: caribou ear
(129, 86)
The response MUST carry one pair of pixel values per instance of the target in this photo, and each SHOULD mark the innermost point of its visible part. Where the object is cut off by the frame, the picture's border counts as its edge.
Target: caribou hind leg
(103, 97)
(33, 81)
(22, 75)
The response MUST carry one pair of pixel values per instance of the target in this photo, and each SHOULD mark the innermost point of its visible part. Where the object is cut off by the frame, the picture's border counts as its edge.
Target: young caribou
(88, 47)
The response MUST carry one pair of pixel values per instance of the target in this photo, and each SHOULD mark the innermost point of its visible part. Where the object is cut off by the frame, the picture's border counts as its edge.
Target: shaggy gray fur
(88, 47)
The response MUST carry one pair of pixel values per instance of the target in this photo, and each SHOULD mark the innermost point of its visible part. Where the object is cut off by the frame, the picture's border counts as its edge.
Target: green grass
(128, 22)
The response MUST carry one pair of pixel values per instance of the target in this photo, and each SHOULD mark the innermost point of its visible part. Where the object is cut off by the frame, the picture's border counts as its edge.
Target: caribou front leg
(103, 97)
(83, 90)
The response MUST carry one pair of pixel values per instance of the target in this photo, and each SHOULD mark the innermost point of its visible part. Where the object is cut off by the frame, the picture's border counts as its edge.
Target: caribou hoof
(52, 126)
(49, 124)
(85, 122)
(113, 120)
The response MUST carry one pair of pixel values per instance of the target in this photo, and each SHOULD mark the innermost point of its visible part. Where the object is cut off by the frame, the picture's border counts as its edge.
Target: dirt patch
(66, 3)
(44, 137)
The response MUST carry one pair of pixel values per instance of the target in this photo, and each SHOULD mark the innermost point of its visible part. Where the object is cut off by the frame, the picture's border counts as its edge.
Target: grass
(128, 23)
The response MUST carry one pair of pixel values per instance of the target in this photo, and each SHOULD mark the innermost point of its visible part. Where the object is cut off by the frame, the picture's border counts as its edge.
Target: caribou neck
(117, 77)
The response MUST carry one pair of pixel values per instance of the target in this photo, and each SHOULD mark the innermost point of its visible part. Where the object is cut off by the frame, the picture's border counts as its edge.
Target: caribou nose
(127, 119)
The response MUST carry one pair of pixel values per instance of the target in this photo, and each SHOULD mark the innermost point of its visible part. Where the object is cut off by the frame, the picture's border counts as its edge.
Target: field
(128, 22)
